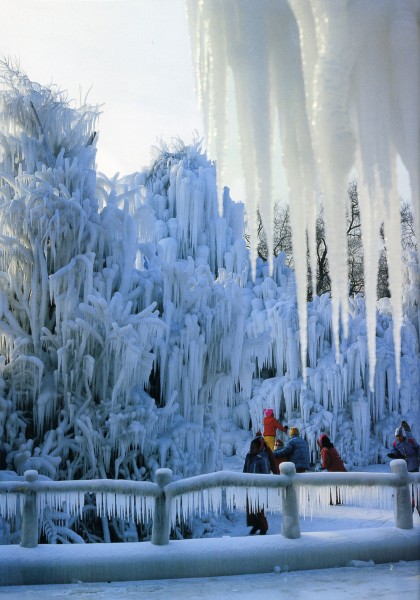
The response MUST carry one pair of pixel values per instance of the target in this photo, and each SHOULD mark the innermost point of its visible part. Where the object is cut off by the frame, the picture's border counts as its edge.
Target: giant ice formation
(132, 333)
(321, 88)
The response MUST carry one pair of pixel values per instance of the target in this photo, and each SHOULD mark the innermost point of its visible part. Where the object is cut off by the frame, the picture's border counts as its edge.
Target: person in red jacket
(270, 427)
(330, 461)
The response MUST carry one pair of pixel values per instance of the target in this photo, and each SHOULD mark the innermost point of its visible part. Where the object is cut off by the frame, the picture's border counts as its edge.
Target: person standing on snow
(331, 461)
(257, 461)
(296, 450)
(406, 448)
(270, 427)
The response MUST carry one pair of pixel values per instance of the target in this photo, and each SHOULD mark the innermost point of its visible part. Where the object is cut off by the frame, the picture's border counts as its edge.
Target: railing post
(403, 513)
(290, 527)
(30, 514)
(161, 519)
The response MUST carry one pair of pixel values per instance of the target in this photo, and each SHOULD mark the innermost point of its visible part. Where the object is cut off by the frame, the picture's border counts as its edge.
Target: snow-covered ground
(363, 581)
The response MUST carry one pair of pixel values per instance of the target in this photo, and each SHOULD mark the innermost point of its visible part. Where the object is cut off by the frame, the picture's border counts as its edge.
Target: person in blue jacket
(296, 450)
(407, 448)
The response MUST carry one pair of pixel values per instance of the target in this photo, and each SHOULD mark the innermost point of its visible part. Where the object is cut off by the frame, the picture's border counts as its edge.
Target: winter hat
(268, 412)
(258, 442)
(400, 431)
(294, 431)
(321, 437)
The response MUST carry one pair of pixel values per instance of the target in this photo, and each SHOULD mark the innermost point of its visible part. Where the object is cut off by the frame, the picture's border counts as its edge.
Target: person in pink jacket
(270, 427)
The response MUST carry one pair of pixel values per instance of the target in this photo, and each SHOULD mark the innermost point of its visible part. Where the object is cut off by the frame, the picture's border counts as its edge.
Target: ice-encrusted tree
(76, 335)
(117, 341)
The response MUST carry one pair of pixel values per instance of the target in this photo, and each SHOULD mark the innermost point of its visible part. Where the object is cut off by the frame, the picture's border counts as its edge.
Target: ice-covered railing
(167, 501)
(114, 498)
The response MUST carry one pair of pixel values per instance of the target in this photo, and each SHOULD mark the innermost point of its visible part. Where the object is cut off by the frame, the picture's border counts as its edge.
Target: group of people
(266, 453)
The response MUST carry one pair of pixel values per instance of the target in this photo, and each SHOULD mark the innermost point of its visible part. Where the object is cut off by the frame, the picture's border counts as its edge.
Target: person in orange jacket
(270, 427)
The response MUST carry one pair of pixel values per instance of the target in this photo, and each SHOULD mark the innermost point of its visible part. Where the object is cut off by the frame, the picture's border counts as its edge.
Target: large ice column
(344, 84)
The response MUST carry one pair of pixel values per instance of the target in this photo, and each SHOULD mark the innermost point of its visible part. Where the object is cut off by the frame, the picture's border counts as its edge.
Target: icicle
(73, 501)
(9, 503)
(298, 62)
(319, 497)
(124, 506)
(361, 427)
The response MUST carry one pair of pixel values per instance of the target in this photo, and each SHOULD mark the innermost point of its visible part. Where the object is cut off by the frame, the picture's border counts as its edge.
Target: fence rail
(164, 499)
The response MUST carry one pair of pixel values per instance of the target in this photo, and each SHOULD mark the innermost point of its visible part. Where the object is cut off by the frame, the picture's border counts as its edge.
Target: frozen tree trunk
(290, 527)
(403, 513)
(161, 521)
(30, 514)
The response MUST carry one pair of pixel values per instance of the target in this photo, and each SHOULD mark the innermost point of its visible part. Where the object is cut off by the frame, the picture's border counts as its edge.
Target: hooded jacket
(258, 462)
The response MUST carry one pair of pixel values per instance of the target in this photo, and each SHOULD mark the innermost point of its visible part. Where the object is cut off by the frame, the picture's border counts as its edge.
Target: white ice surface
(363, 581)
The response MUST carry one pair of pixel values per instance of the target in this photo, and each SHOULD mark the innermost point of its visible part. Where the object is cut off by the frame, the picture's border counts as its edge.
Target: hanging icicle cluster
(109, 505)
(319, 88)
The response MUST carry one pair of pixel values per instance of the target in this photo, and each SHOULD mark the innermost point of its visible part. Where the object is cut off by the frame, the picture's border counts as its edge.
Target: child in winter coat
(278, 444)
(257, 461)
(270, 427)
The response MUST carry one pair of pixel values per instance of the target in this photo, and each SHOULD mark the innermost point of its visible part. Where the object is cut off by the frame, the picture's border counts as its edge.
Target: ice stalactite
(361, 420)
(314, 497)
(344, 82)
(124, 506)
(9, 504)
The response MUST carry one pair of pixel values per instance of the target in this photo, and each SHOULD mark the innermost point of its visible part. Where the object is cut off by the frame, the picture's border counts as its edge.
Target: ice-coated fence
(166, 501)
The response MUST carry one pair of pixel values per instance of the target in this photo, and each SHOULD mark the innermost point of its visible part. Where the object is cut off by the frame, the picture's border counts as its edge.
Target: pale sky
(132, 56)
